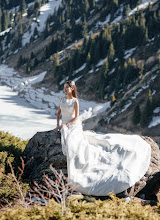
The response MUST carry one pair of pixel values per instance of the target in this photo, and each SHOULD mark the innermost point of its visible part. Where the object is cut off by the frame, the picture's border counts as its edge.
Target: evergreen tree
(68, 27)
(104, 68)
(36, 62)
(23, 6)
(28, 69)
(136, 117)
(57, 59)
(20, 61)
(113, 99)
(147, 113)
(85, 42)
(35, 31)
(21, 29)
(146, 34)
(97, 51)
(126, 10)
(87, 68)
(141, 72)
(85, 32)
(111, 51)
(32, 55)
(92, 51)
(5, 20)
(92, 3)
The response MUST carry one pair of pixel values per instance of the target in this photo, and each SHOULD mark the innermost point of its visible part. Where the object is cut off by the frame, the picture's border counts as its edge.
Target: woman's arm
(76, 108)
(58, 117)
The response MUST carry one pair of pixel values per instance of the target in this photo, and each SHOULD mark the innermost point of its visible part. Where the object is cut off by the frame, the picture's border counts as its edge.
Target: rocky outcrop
(45, 148)
(149, 185)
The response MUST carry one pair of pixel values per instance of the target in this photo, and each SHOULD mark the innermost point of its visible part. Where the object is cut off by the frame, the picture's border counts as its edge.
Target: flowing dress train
(99, 164)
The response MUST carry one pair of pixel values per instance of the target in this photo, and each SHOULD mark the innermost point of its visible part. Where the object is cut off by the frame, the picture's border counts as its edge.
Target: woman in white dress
(98, 164)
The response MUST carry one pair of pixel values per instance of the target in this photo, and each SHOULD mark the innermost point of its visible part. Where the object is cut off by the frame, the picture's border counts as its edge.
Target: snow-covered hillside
(40, 24)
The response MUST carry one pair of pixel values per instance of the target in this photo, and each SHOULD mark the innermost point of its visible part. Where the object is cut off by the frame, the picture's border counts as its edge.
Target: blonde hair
(73, 86)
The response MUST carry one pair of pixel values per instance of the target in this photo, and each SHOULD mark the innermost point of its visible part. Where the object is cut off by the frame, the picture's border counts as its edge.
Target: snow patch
(6, 31)
(100, 63)
(156, 110)
(80, 69)
(129, 52)
(143, 5)
(45, 11)
(155, 121)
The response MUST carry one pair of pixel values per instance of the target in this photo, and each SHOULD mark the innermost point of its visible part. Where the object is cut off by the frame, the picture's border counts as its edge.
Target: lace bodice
(67, 109)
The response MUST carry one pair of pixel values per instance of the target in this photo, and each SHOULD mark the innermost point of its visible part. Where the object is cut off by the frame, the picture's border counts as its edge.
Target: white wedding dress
(99, 164)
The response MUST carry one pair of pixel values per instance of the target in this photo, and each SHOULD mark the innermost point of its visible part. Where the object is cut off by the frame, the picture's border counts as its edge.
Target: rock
(149, 185)
(45, 148)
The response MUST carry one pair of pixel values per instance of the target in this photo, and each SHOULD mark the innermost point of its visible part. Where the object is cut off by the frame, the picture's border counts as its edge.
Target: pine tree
(97, 51)
(36, 62)
(28, 69)
(32, 55)
(147, 113)
(37, 14)
(136, 117)
(87, 68)
(126, 10)
(113, 99)
(141, 72)
(111, 51)
(57, 59)
(23, 6)
(142, 21)
(146, 34)
(85, 31)
(86, 5)
(20, 61)
(21, 29)
(92, 3)
(85, 42)
(5, 20)
(92, 51)
(35, 31)
(104, 68)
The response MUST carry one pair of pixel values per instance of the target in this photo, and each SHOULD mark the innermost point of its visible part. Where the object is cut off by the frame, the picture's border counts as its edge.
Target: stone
(45, 148)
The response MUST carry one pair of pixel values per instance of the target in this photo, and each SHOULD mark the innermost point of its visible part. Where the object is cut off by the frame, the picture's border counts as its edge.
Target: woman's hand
(62, 126)
(57, 129)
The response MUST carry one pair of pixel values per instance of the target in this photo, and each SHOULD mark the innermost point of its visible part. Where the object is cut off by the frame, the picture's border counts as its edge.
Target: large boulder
(45, 148)
(42, 150)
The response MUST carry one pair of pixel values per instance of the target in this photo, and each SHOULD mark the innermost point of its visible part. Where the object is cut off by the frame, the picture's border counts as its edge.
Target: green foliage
(11, 149)
(136, 117)
(112, 208)
(146, 114)
(23, 6)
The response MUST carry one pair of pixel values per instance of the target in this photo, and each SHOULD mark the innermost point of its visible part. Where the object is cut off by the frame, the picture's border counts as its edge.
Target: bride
(98, 164)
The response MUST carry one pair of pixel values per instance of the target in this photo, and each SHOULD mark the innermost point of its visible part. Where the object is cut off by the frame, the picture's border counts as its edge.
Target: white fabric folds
(99, 164)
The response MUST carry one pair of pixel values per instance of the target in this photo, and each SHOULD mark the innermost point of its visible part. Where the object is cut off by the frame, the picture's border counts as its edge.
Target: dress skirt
(100, 164)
